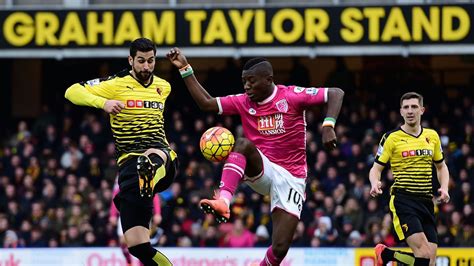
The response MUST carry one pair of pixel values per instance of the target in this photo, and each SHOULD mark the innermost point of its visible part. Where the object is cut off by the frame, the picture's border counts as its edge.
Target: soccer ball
(216, 144)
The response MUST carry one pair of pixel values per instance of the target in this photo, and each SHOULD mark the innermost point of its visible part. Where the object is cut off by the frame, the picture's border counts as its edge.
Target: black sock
(145, 253)
(422, 262)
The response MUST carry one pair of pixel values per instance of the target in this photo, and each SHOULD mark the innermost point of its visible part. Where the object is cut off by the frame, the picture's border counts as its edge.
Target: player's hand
(443, 196)
(376, 189)
(177, 58)
(113, 106)
(329, 138)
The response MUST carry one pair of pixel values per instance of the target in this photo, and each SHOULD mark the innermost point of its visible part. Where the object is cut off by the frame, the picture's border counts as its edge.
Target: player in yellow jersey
(411, 151)
(135, 100)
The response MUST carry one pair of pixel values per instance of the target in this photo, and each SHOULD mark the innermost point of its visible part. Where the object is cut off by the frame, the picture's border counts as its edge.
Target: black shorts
(413, 215)
(134, 209)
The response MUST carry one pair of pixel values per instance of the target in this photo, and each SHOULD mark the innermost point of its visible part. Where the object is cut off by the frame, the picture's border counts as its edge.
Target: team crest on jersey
(282, 106)
(93, 82)
(252, 111)
(298, 89)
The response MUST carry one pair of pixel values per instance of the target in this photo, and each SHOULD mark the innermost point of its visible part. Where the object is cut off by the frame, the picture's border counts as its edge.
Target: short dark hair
(142, 45)
(412, 95)
(252, 62)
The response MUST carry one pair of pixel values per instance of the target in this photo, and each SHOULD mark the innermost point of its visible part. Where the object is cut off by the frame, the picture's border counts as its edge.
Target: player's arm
(374, 177)
(443, 178)
(84, 94)
(384, 153)
(335, 96)
(205, 101)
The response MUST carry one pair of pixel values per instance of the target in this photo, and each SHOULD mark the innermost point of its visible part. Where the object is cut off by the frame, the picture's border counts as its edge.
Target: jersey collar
(271, 97)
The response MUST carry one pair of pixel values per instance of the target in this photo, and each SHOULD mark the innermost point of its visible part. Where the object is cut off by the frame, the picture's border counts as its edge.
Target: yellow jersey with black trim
(140, 125)
(411, 159)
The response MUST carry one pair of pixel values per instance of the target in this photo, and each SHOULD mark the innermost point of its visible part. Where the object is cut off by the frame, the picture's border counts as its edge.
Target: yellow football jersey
(140, 125)
(411, 159)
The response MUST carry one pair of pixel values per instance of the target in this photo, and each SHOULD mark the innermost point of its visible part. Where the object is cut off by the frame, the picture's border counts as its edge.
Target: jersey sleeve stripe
(218, 99)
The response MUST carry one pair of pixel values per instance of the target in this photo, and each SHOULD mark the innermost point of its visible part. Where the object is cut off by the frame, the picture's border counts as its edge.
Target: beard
(142, 76)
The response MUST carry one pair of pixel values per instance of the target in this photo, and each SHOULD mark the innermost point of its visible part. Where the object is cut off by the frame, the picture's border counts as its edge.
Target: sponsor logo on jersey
(421, 152)
(282, 106)
(158, 90)
(252, 111)
(271, 124)
(145, 104)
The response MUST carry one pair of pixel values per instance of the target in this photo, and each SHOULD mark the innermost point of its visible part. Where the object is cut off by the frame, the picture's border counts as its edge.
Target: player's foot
(216, 207)
(146, 171)
(378, 255)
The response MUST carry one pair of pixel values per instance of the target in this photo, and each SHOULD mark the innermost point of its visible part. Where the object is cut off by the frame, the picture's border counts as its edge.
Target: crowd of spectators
(57, 174)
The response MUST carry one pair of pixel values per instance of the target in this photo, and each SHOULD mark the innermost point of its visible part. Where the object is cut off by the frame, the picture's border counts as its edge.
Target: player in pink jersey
(271, 157)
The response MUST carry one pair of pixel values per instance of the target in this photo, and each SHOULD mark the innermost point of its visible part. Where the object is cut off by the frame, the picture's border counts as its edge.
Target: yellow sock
(161, 259)
(404, 257)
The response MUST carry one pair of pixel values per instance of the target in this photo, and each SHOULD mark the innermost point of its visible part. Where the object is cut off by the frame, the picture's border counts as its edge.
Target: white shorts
(119, 227)
(286, 191)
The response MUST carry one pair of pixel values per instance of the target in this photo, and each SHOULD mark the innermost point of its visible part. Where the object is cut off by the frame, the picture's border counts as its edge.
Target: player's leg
(421, 248)
(284, 227)
(287, 197)
(151, 167)
(408, 227)
(244, 159)
(135, 220)
(123, 244)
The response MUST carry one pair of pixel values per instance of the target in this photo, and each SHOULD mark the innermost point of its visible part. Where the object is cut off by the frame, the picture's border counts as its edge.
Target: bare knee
(280, 249)
(243, 146)
(422, 250)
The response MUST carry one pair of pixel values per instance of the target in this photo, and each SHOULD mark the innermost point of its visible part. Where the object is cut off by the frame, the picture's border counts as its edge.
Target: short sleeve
(229, 105)
(384, 152)
(438, 155)
(301, 97)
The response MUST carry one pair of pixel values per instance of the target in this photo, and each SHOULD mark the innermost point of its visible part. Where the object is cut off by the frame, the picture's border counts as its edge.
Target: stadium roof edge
(311, 52)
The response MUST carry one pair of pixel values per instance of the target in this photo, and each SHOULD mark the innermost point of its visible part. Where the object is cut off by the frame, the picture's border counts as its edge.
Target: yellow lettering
(94, 27)
(241, 23)
(217, 29)
(47, 24)
(420, 24)
(261, 34)
(18, 29)
(316, 24)
(352, 30)
(277, 25)
(162, 32)
(449, 14)
(195, 18)
(396, 26)
(374, 14)
(127, 29)
(72, 30)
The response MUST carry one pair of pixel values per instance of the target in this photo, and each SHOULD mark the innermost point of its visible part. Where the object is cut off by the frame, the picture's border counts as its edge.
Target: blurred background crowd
(57, 171)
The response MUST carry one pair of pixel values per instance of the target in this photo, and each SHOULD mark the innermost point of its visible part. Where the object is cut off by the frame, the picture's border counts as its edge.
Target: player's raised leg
(244, 159)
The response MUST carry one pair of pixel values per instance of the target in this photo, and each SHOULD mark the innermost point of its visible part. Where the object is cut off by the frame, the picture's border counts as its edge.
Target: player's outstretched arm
(205, 101)
(334, 102)
(78, 95)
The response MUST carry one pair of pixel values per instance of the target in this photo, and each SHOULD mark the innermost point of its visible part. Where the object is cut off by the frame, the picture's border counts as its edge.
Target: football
(216, 143)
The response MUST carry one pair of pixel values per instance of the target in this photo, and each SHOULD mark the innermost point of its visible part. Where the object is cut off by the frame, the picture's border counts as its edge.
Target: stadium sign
(303, 31)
